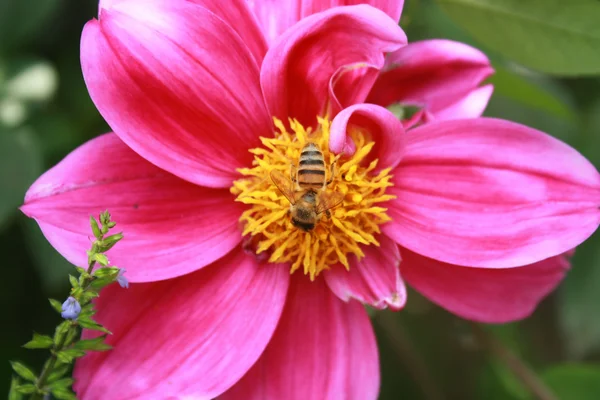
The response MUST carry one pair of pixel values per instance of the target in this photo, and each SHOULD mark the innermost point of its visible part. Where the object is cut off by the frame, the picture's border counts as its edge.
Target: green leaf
(20, 165)
(574, 381)
(74, 282)
(59, 371)
(88, 295)
(39, 342)
(63, 393)
(96, 344)
(95, 228)
(23, 371)
(100, 259)
(517, 87)
(544, 35)
(27, 388)
(107, 272)
(67, 356)
(101, 283)
(89, 323)
(12, 393)
(62, 383)
(72, 334)
(57, 305)
(61, 331)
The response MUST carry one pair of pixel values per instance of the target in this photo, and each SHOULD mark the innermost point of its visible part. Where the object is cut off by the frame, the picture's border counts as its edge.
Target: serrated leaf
(23, 371)
(88, 295)
(96, 344)
(62, 383)
(67, 356)
(107, 272)
(540, 34)
(72, 334)
(27, 388)
(58, 372)
(39, 342)
(100, 283)
(63, 394)
(74, 282)
(95, 228)
(12, 393)
(100, 259)
(61, 331)
(89, 323)
(57, 305)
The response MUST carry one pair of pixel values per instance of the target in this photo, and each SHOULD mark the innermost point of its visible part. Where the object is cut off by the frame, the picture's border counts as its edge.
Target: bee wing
(329, 200)
(284, 184)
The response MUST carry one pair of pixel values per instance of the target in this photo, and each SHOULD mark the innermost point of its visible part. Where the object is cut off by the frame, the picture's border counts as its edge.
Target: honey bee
(306, 189)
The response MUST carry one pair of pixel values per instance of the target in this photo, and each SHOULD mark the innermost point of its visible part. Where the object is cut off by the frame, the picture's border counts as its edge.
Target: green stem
(49, 366)
(526, 375)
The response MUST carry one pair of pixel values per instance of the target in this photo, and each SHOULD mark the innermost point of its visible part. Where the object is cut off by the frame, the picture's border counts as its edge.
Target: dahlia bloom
(205, 100)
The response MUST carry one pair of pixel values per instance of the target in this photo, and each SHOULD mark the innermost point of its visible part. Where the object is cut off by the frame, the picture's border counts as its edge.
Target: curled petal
(298, 69)
(171, 227)
(323, 348)
(374, 280)
(155, 70)
(483, 294)
(436, 75)
(189, 337)
(277, 16)
(491, 193)
(385, 129)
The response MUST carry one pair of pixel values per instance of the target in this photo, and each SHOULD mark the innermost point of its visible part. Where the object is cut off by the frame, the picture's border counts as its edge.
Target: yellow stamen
(353, 223)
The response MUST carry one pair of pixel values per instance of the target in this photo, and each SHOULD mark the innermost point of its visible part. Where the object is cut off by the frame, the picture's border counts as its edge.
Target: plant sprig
(66, 344)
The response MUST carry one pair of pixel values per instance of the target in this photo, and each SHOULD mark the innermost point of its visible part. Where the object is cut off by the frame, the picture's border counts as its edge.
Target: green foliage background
(547, 57)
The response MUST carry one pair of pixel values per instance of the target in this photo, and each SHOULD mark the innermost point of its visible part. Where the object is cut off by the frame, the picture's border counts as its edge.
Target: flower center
(308, 207)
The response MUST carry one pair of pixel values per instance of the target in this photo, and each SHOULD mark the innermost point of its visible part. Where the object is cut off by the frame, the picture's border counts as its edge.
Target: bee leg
(293, 172)
(327, 214)
(332, 169)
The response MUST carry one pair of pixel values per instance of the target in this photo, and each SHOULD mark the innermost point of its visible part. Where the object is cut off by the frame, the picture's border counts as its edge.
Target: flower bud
(70, 308)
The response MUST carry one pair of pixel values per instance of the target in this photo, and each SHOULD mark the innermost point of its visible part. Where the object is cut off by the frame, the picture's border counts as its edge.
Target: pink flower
(475, 214)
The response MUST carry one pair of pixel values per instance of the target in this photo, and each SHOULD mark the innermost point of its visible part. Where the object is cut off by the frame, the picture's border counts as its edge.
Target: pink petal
(491, 193)
(385, 129)
(236, 13)
(171, 227)
(322, 349)
(277, 16)
(374, 280)
(298, 69)
(434, 74)
(482, 294)
(471, 106)
(178, 85)
(189, 337)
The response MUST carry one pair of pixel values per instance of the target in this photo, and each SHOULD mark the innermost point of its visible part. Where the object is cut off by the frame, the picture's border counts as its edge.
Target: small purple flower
(70, 308)
(121, 279)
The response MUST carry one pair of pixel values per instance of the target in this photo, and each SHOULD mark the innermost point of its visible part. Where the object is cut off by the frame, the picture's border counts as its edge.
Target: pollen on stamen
(352, 224)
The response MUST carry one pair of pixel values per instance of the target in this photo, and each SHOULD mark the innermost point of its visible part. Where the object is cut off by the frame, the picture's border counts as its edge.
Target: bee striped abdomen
(311, 168)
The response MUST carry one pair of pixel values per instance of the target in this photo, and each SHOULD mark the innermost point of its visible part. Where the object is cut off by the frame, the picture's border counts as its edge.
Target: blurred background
(426, 353)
